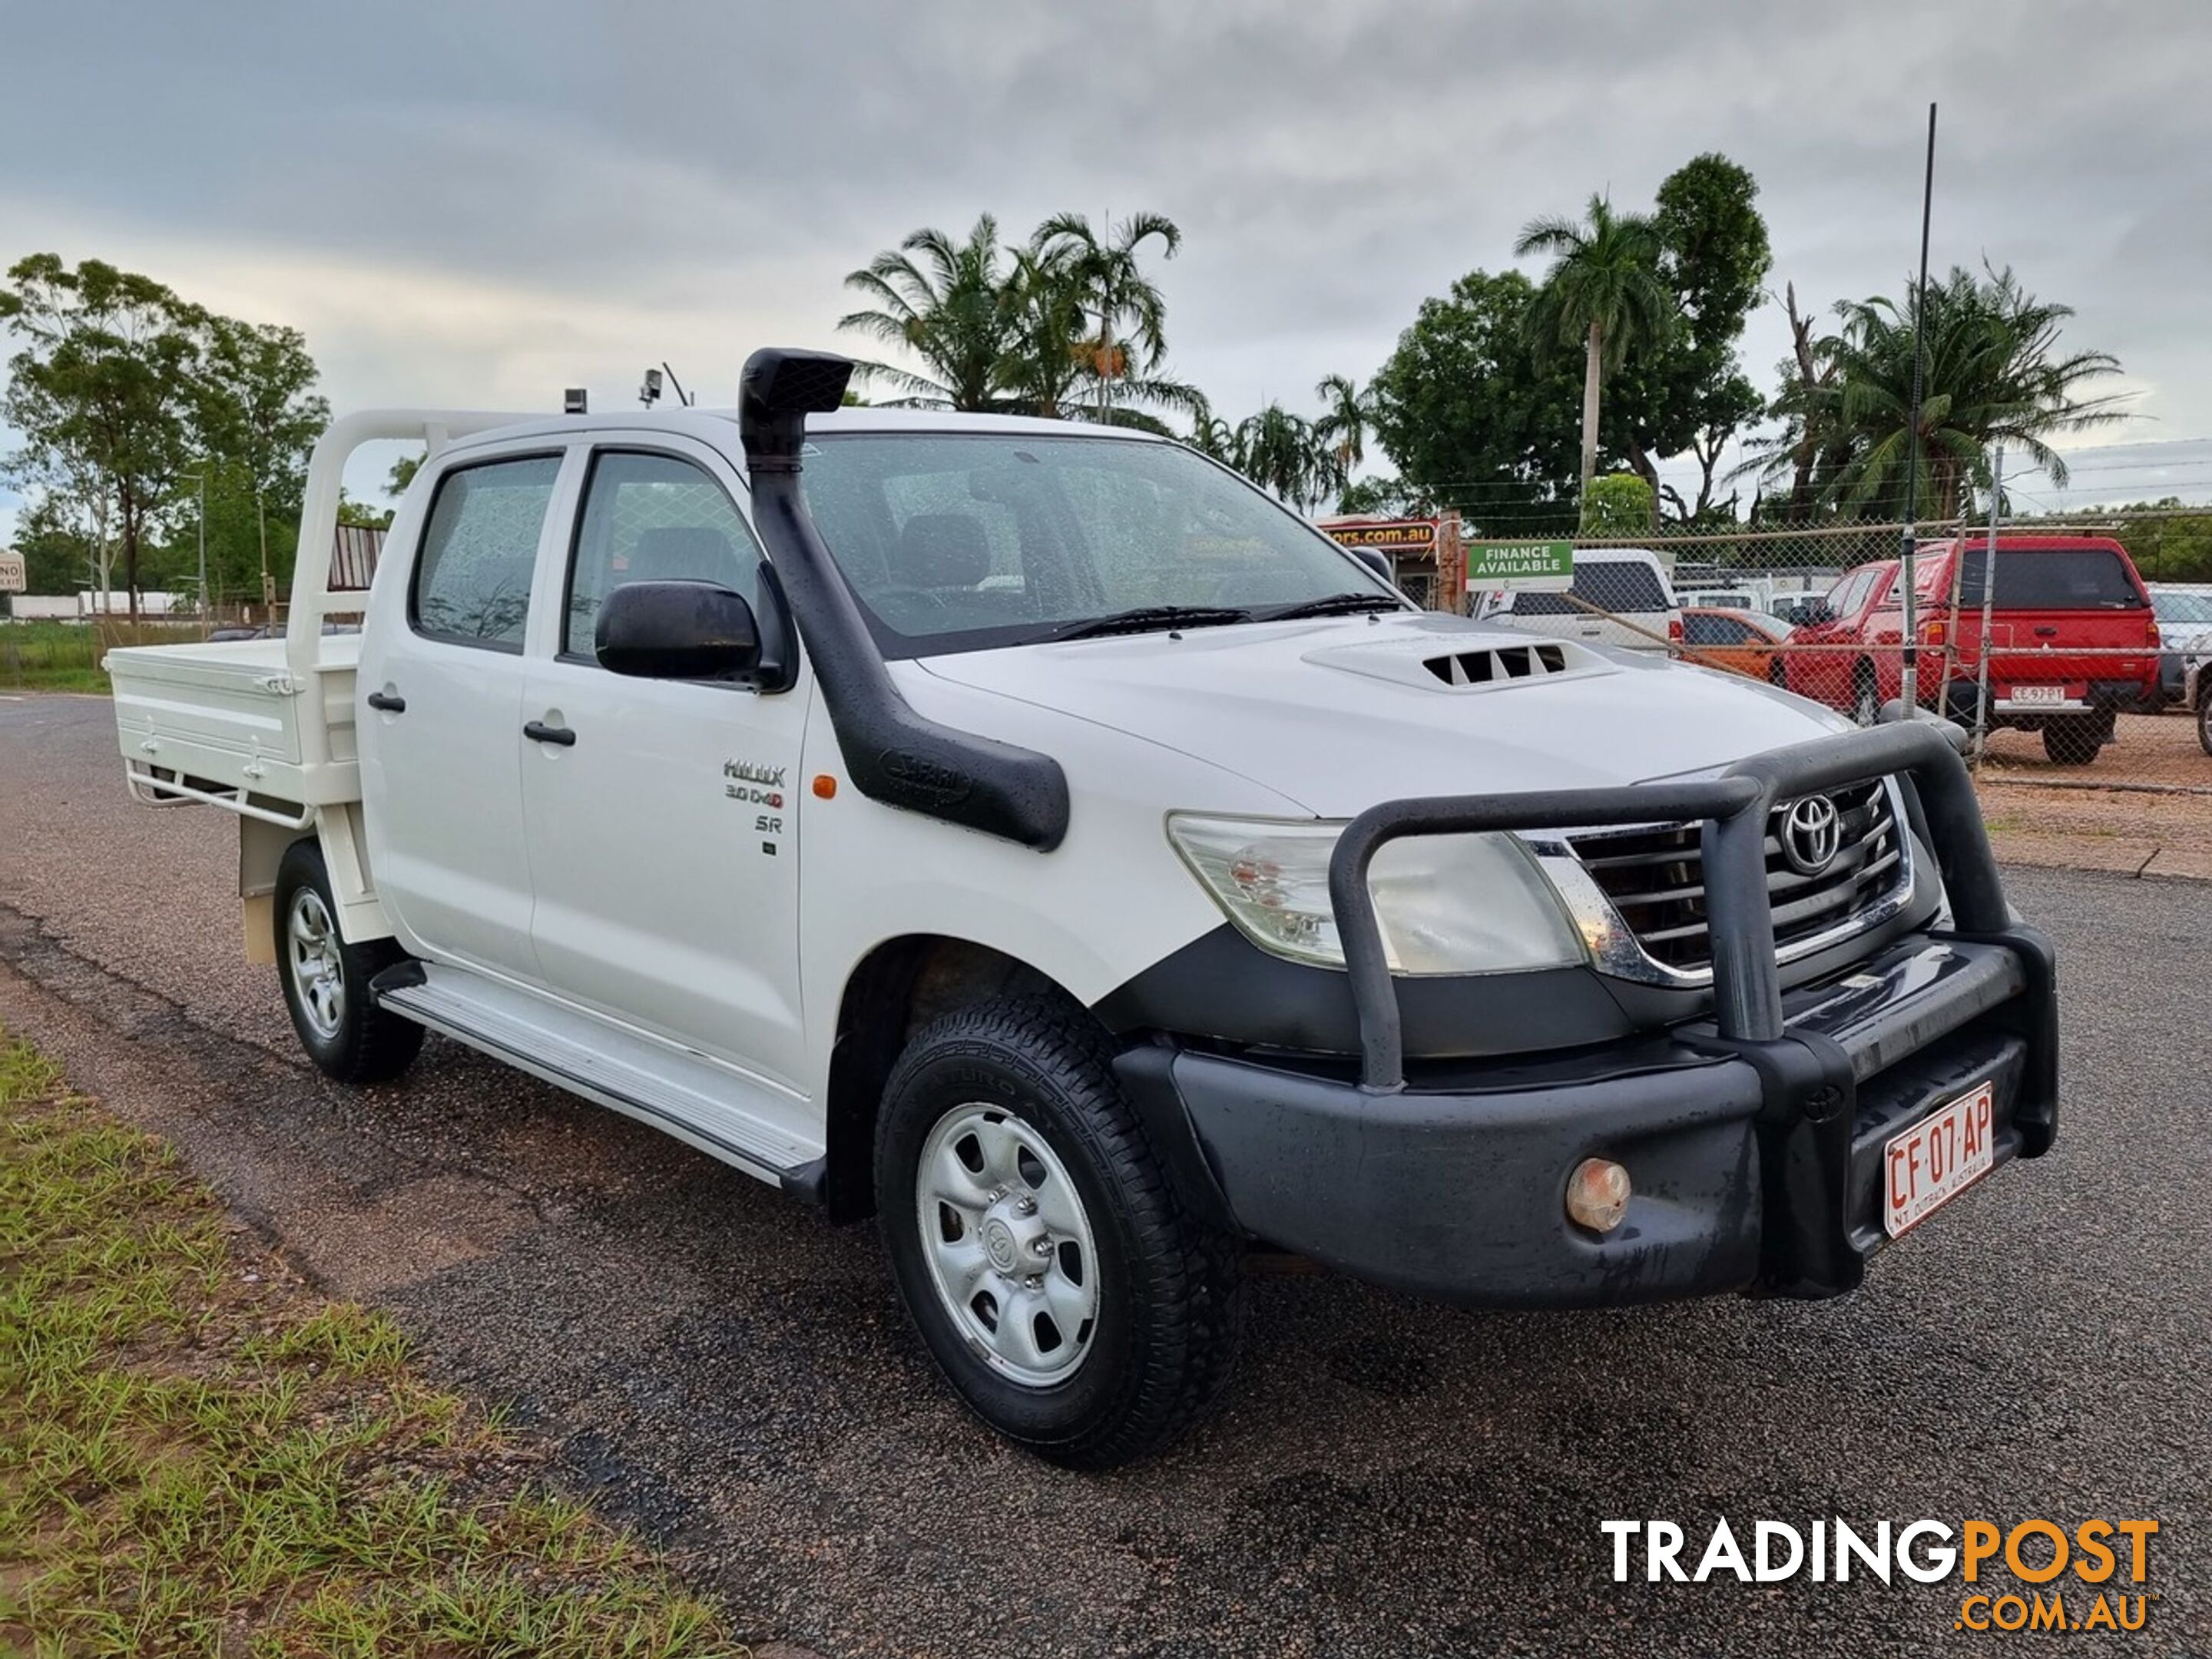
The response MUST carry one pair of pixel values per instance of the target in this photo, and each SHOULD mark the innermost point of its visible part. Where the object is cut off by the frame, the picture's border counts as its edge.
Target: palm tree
(1993, 374)
(1604, 290)
(1279, 451)
(1214, 437)
(945, 302)
(1104, 268)
(1343, 424)
(1044, 358)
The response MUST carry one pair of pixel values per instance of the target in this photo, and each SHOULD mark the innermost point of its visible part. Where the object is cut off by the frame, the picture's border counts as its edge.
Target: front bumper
(1756, 1167)
(1753, 1139)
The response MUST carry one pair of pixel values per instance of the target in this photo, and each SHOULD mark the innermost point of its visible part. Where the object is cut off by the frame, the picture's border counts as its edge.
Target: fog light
(1597, 1194)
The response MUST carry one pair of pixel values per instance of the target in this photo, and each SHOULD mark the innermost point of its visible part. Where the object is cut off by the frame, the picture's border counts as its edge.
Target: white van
(1621, 597)
(1028, 833)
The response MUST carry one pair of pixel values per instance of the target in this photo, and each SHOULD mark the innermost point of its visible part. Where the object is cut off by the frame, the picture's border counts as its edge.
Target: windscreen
(1617, 585)
(2189, 608)
(954, 541)
(2051, 579)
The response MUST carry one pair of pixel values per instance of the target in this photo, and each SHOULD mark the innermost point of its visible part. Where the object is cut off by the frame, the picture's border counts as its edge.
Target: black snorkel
(895, 755)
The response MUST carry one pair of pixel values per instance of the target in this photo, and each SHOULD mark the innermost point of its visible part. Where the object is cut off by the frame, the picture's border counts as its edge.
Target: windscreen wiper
(1147, 617)
(1334, 604)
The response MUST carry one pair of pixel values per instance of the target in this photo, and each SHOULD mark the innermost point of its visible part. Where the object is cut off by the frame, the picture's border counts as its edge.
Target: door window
(1698, 630)
(1848, 599)
(472, 582)
(651, 518)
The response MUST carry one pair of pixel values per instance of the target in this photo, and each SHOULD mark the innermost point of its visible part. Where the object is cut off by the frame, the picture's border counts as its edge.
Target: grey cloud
(718, 167)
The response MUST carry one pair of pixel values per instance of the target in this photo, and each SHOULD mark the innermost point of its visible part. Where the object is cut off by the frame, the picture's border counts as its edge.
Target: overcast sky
(483, 203)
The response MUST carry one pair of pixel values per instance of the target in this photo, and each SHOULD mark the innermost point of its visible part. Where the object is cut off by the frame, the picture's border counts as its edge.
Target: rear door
(663, 834)
(2064, 621)
(441, 746)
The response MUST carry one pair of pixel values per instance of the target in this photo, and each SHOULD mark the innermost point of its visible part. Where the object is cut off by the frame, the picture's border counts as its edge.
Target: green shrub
(1619, 504)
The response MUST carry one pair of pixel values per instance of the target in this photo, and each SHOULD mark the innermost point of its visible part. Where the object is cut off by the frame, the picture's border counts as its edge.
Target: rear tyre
(325, 980)
(2076, 741)
(2204, 714)
(1069, 1297)
(1776, 672)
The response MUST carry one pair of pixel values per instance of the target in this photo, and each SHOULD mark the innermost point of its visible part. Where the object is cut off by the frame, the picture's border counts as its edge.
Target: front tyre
(325, 980)
(1072, 1301)
(1865, 695)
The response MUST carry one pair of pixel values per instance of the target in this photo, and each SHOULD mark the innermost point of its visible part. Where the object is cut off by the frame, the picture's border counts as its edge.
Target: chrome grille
(1655, 878)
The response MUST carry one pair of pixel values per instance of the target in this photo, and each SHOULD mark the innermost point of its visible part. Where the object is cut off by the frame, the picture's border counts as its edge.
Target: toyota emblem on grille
(1811, 834)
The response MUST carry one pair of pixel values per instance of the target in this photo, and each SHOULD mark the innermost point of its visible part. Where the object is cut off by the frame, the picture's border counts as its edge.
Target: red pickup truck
(2072, 638)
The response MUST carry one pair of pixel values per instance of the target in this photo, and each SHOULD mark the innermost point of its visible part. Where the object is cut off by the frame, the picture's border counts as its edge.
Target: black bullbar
(1754, 1138)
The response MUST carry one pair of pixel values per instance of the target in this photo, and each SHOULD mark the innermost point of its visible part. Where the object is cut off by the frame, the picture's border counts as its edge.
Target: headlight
(1448, 905)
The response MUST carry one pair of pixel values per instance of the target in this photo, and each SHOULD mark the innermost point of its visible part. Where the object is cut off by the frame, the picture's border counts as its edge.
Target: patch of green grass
(45, 656)
(197, 1457)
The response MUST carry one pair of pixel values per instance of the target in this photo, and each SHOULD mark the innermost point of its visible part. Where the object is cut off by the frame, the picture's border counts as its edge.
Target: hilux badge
(1812, 834)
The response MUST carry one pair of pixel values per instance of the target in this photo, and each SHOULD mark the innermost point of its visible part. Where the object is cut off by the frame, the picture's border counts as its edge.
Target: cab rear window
(2052, 578)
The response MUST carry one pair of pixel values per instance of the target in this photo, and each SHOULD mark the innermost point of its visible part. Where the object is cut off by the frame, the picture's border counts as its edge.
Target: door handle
(390, 702)
(2046, 632)
(560, 736)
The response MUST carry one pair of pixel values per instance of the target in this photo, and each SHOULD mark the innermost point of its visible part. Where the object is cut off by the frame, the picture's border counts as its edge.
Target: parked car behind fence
(2071, 640)
(1621, 596)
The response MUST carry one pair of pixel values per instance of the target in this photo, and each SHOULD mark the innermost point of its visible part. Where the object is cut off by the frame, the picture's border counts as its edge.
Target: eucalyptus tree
(1604, 291)
(258, 411)
(103, 390)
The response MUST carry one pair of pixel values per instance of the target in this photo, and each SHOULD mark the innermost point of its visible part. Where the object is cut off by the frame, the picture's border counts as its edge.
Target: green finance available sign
(1542, 566)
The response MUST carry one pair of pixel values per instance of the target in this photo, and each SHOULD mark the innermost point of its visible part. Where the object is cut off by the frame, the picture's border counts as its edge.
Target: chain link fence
(2059, 648)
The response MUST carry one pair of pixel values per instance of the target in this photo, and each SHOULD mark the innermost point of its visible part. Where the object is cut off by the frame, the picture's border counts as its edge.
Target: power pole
(1912, 677)
(1988, 602)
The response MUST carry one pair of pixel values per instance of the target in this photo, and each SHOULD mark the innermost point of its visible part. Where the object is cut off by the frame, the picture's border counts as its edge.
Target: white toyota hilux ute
(1032, 835)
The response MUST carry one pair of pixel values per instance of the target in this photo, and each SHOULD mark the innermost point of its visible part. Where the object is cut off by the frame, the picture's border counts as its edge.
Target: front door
(663, 828)
(439, 717)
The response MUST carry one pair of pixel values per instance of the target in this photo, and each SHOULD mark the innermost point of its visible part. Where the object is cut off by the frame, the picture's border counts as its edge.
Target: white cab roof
(713, 425)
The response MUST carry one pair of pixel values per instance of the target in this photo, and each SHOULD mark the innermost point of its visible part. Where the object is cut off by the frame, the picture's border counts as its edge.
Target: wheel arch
(900, 985)
(338, 832)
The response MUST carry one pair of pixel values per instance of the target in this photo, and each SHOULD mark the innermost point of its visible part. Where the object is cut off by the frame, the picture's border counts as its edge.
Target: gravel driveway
(714, 1363)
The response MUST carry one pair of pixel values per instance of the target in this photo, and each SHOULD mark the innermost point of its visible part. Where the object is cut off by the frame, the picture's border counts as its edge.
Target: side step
(720, 1110)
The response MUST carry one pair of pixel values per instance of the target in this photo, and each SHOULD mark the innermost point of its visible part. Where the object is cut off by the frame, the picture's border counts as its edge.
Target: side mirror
(679, 630)
(1376, 561)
